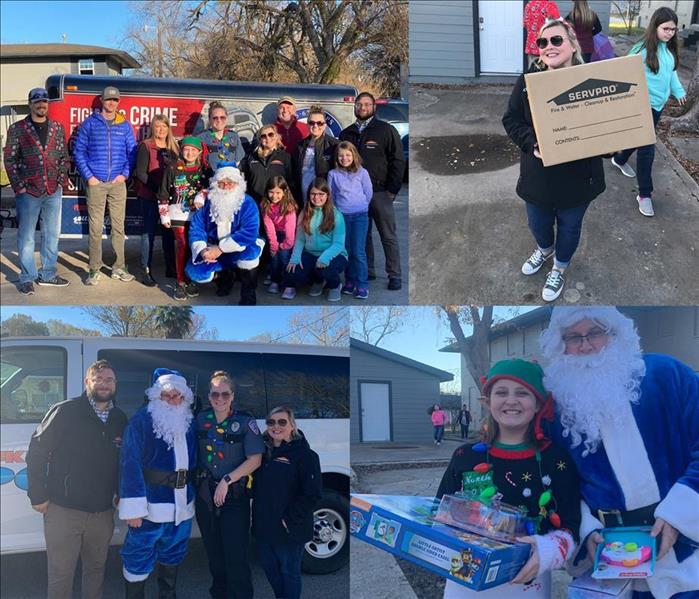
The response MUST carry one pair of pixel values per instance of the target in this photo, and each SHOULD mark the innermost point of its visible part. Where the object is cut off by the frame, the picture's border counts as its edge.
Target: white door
(376, 424)
(501, 35)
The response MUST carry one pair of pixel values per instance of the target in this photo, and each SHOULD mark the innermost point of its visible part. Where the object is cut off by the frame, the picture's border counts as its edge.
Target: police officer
(230, 449)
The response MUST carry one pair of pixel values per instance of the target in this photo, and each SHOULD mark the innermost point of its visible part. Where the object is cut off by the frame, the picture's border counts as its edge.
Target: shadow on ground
(464, 154)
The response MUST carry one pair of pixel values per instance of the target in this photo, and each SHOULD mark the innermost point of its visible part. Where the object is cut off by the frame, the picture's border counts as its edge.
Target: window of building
(86, 66)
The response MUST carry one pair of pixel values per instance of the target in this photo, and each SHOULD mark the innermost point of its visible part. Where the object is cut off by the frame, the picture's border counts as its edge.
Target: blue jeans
(45, 209)
(330, 274)
(644, 161)
(438, 433)
(557, 227)
(151, 222)
(356, 228)
(277, 265)
(282, 565)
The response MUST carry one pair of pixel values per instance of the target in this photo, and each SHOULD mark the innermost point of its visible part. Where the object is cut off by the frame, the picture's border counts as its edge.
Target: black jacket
(73, 457)
(324, 161)
(257, 171)
(286, 487)
(564, 185)
(381, 150)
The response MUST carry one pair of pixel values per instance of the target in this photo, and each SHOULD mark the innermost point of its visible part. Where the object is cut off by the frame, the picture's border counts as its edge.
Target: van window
(32, 379)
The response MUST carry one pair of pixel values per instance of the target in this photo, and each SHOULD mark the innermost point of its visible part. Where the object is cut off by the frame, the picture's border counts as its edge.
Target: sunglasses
(316, 123)
(223, 395)
(543, 42)
(219, 118)
(280, 422)
(267, 135)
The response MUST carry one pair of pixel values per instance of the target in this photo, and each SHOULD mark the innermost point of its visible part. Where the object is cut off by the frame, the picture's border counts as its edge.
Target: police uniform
(223, 446)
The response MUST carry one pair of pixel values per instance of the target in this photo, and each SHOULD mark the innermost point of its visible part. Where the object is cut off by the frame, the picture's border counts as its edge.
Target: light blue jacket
(324, 245)
(663, 83)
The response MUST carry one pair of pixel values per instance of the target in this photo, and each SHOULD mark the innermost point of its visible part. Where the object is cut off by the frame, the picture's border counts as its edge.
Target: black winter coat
(564, 185)
(286, 487)
(257, 171)
(324, 161)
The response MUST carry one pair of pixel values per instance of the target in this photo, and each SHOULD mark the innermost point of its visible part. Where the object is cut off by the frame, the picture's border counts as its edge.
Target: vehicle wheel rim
(329, 534)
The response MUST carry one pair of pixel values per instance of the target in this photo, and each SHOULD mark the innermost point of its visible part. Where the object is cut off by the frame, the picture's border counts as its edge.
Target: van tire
(329, 550)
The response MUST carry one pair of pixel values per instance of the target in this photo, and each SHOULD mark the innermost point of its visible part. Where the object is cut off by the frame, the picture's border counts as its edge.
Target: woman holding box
(558, 196)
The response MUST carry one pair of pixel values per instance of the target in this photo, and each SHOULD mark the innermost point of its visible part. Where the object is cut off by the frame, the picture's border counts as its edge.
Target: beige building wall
(683, 8)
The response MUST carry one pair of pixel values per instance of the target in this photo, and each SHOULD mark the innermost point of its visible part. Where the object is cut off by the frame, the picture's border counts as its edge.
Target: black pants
(381, 214)
(464, 431)
(226, 535)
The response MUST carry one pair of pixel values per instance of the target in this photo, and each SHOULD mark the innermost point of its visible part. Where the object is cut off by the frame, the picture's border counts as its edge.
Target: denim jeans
(151, 222)
(330, 274)
(559, 227)
(356, 228)
(282, 565)
(277, 265)
(45, 209)
(644, 161)
(438, 433)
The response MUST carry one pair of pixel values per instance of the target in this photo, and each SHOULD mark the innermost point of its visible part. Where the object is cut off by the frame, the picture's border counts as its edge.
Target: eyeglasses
(280, 422)
(669, 29)
(219, 118)
(316, 123)
(593, 338)
(267, 135)
(317, 194)
(100, 381)
(222, 395)
(555, 40)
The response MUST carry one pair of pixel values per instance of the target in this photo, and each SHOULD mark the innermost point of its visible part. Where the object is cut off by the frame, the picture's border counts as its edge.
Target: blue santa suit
(166, 512)
(653, 457)
(238, 240)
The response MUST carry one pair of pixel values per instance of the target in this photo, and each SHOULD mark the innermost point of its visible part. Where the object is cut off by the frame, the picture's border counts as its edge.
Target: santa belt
(177, 479)
(640, 517)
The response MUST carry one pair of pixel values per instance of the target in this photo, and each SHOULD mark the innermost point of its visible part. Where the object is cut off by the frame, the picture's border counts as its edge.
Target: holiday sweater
(535, 14)
(522, 480)
(276, 223)
(181, 184)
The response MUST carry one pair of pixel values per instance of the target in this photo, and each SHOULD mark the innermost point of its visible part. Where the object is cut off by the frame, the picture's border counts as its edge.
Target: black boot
(248, 279)
(167, 577)
(224, 283)
(135, 590)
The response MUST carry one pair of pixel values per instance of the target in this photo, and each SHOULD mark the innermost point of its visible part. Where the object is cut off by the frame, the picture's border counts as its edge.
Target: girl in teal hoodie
(661, 57)
(319, 250)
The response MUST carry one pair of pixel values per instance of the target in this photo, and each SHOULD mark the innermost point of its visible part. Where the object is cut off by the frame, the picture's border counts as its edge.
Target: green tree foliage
(22, 325)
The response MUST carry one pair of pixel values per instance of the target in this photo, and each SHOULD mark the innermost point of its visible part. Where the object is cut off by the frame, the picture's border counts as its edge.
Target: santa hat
(165, 379)
(228, 172)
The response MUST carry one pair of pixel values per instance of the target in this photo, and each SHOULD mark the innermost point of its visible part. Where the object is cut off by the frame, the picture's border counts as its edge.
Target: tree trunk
(689, 121)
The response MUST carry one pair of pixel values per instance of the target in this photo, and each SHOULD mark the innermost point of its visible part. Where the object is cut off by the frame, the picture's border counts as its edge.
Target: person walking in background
(586, 24)
(660, 51)
(220, 144)
(464, 421)
(291, 130)
(155, 155)
(381, 150)
(439, 419)
(36, 160)
(105, 153)
(535, 14)
(73, 470)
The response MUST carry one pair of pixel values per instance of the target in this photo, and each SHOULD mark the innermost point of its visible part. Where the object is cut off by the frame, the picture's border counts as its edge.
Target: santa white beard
(225, 204)
(590, 389)
(169, 421)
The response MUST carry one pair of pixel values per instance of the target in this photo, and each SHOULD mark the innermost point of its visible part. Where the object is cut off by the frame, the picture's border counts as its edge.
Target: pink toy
(626, 555)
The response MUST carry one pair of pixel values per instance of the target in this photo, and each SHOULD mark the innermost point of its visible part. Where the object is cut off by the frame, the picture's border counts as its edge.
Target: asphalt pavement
(24, 577)
(73, 265)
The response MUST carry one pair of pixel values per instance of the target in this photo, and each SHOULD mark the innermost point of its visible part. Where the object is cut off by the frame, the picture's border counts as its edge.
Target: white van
(37, 372)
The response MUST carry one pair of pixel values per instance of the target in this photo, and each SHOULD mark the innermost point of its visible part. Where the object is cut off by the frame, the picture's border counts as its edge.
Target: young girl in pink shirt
(439, 419)
(278, 210)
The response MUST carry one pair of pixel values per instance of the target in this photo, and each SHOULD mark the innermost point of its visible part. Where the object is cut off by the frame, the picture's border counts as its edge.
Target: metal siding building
(453, 41)
(390, 395)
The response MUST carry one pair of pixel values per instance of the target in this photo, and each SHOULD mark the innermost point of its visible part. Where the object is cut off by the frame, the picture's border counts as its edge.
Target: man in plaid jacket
(36, 160)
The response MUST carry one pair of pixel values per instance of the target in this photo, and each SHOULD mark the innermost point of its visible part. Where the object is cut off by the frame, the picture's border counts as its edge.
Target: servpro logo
(591, 89)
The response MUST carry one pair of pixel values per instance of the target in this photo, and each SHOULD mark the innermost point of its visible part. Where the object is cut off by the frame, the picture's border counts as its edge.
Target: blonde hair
(271, 128)
(292, 420)
(170, 141)
(223, 376)
(356, 158)
(582, 15)
(572, 38)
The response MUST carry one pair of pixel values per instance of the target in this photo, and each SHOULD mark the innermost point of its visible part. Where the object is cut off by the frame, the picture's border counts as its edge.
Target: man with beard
(72, 467)
(224, 236)
(380, 147)
(158, 461)
(631, 423)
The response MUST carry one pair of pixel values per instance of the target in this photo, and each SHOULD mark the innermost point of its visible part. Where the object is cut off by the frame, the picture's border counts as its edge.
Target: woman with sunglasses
(221, 144)
(287, 488)
(315, 155)
(268, 159)
(661, 58)
(230, 450)
(556, 197)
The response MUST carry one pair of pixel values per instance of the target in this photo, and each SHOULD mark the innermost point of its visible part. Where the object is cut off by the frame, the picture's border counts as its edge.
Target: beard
(169, 421)
(589, 390)
(98, 397)
(225, 204)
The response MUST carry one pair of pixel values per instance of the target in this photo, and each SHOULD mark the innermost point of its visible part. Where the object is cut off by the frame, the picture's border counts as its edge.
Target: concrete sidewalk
(73, 265)
(469, 235)
(395, 454)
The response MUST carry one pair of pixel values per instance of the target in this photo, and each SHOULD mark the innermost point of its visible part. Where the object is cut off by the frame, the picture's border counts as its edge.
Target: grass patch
(621, 28)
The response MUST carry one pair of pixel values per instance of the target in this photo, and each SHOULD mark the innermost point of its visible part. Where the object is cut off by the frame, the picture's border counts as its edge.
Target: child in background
(661, 57)
(351, 190)
(526, 469)
(319, 250)
(181, 184)
(278, 209)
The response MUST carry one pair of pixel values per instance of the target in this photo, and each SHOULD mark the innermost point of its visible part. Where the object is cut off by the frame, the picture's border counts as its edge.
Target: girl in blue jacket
(661, 56)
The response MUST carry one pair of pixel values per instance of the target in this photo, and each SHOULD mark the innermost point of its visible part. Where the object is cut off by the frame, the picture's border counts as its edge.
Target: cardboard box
(403, 525)
(591, 109)
(586, 587)
(623, 561)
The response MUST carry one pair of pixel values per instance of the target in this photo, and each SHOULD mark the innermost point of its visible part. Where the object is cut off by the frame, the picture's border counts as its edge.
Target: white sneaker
(535, 261)
(645, 206)
(625, 169)
(553, 285)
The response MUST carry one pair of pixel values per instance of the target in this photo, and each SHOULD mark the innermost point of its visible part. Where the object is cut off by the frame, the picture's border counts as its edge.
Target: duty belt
(177, 479)
(612, 518)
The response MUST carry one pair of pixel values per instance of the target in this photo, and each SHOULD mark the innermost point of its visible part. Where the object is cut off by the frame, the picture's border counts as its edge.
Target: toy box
(405, 526)
(586, 587)
(627, 552)
(590, 109)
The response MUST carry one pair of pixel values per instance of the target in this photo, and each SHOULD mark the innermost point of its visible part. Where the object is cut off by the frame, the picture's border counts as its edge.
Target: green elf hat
(191, 140)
